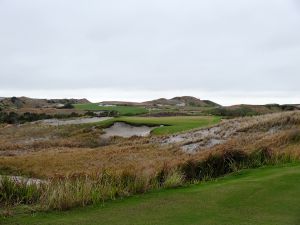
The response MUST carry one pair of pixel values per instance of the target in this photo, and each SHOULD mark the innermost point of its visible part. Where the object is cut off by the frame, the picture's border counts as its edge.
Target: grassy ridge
(172, 124)
(262, 196)
(122, 110)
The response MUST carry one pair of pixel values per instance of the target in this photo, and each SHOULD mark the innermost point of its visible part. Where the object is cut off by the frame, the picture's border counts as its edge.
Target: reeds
(18, 192)
(63, 193)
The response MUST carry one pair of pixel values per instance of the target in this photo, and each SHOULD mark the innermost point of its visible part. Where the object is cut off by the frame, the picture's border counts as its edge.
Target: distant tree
(17, 102)
(68, 106)
(12, 118)
(14, 99)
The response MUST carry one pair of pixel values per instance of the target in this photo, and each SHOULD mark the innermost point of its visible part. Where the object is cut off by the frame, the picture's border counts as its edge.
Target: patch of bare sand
(126, 130)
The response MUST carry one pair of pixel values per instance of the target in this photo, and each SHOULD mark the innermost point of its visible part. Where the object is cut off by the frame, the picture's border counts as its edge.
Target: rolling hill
(25, 102)
(182, 101)
(176, 101)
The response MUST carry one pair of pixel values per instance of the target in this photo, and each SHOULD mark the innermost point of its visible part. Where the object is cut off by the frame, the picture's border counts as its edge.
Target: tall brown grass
(63, 193)
(78, 176)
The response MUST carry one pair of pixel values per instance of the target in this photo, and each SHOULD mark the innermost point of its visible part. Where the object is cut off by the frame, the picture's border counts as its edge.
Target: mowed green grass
(266, 196)
(123, 110)
(172, 124)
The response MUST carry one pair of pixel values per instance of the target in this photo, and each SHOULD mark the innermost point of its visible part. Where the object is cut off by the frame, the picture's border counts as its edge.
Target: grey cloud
(211, 46)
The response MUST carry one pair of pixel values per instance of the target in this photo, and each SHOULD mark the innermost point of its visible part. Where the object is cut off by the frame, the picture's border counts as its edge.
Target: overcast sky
(233, 51)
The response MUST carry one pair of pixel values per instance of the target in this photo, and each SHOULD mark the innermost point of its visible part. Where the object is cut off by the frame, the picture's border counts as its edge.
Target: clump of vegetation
(18, 192)
(241, 111)
(174, 178)
(67, 105)
(219, 164)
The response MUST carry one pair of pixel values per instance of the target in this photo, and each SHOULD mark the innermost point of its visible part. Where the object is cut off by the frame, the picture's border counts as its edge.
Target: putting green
(174, 124)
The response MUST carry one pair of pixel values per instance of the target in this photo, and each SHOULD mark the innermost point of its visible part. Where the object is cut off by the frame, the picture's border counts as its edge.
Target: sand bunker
(125, 130)
(57, 122)
(196, 140)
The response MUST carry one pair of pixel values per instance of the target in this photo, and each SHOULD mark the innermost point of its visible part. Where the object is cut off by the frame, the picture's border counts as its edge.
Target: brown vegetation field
(44, 151)
(71, 153)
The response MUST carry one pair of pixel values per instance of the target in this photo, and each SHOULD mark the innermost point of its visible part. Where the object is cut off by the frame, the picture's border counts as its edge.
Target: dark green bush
(216, 165)
(68, 106)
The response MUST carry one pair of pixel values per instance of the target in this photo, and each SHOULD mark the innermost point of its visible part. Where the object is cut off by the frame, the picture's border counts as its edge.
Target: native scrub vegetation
(63, 193)
(138, 165)
(261, 196)
(43, 151)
